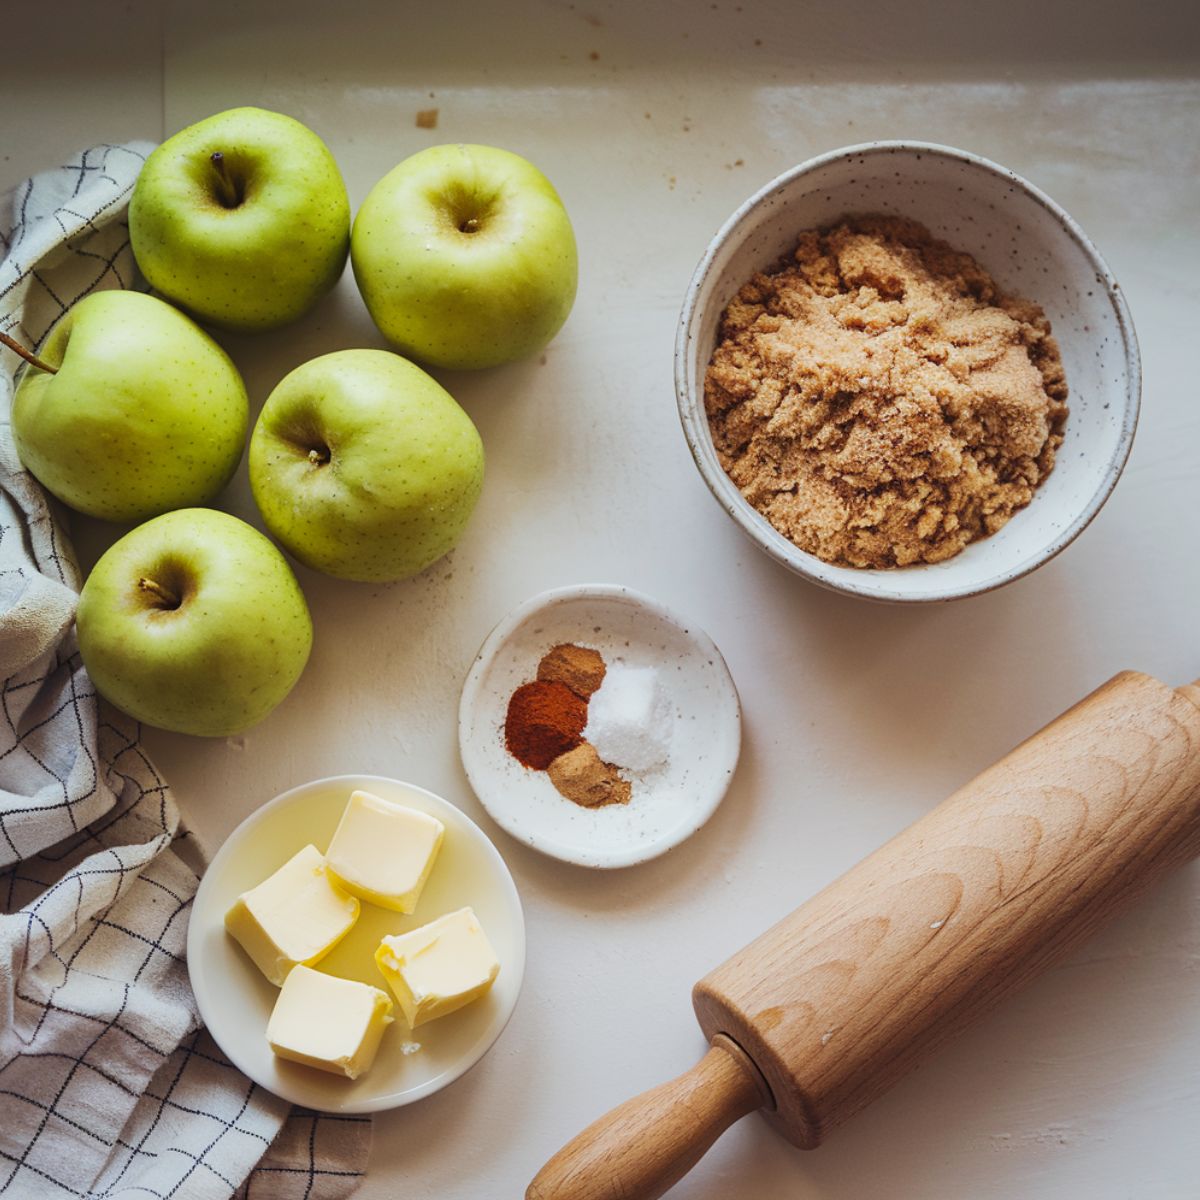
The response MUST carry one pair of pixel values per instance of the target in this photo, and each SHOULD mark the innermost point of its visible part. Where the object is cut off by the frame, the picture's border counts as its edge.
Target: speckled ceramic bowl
(1032, 248)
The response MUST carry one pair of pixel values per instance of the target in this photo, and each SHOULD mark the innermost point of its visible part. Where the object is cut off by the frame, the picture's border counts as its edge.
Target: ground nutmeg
(580, 667)
(545, 719)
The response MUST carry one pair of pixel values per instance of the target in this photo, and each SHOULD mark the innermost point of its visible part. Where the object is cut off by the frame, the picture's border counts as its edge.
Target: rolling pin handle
(646, 1145)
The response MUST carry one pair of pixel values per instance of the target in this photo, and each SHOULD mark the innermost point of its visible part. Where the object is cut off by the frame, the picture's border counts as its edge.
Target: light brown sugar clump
(879, 400)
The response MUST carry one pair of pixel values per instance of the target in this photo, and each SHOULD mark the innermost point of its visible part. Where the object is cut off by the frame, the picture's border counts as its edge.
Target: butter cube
(295, 916)
(439, 967)
(383, 852)
(329, 1023)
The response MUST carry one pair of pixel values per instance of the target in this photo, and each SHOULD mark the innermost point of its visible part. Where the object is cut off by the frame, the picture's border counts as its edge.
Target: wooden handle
(843, 997)
(649, 1143)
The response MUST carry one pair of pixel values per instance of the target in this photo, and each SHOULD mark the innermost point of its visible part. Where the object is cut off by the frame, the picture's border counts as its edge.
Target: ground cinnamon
(544, 719)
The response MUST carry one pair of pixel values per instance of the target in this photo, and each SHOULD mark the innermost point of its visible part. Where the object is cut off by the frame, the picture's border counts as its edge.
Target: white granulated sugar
(629, 718)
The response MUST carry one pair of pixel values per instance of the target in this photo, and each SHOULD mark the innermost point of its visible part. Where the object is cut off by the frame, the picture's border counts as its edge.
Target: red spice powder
(545, 719)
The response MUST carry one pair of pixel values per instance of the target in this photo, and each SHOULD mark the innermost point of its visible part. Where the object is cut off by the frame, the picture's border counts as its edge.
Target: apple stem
(227, 189)
(28, 355)
(318, 458)
(168, 599)
(470, 225)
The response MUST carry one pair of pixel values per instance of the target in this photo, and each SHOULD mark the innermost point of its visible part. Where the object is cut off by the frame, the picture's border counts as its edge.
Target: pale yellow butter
(439, 967)
(295, 916)
(329, 1023)
(383, 852)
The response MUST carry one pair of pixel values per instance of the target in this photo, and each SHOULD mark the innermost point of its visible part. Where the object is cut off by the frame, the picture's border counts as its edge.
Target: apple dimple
(228, 179)
(465, 208)
(165, 587)
(54, 352)
(305, 436)
(58, 345)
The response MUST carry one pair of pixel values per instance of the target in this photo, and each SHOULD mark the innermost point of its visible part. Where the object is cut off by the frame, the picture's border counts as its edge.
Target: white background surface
(858, 718)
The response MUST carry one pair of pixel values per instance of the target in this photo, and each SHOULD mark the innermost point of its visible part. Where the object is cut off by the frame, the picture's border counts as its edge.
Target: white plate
(235, 999)
(625, 627)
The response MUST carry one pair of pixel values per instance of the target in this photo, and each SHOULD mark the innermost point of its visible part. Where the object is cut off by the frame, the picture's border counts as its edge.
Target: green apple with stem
(365, 467)
(465, 257)
(242, 219)
(130, 409)
(194, 622)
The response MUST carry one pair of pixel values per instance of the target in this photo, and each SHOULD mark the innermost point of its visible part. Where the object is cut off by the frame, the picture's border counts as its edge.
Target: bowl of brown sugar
(906, 373)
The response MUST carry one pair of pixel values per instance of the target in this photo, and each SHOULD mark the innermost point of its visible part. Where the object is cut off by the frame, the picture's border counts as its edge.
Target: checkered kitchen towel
(108, 1085)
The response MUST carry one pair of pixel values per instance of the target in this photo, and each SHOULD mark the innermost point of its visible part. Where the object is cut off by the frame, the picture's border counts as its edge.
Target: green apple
(363, 466)
(194, 622)
(145, 412)
(465, 257)
(242, 219)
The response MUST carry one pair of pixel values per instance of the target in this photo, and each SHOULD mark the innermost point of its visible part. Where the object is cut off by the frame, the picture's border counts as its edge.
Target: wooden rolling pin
(829, 1008)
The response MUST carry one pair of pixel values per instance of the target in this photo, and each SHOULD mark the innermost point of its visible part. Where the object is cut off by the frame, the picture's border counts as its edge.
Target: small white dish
(235, 999)
(667, 806)
(1031, 247)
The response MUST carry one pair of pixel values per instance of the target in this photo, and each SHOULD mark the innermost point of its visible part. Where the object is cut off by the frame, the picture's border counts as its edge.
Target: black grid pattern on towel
(108, 1086)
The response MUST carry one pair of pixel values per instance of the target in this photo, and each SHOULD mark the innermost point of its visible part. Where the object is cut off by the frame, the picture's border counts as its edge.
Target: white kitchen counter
(654, 122)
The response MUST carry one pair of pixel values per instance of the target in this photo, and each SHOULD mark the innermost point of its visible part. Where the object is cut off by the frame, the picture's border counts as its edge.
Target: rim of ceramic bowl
(849, 580)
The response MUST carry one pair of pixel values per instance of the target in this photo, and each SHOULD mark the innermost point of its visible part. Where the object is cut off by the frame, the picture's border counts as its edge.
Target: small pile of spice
(545, 719)
(581, 668)
(581, 717)
(629, 718)
(584, 777)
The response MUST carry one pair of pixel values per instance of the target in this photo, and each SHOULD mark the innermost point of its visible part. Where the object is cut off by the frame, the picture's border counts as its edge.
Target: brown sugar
(582, 776)
(580, 667)
(879, 400)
